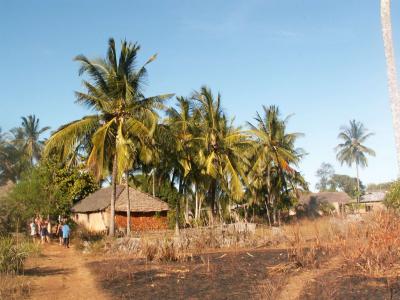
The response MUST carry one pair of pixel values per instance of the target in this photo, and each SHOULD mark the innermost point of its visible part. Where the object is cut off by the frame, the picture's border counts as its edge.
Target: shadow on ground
(46, 271)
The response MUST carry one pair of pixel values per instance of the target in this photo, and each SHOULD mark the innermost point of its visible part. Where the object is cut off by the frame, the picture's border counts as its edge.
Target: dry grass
(14, 287)
(370, 244)
(373, 246)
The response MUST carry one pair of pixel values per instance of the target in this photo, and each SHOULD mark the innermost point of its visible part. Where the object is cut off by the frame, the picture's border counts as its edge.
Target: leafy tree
(385, 186)
(392, 198)
(352, 150)
(115, 93)
(324, 173)
(350, 185)
(49, 189)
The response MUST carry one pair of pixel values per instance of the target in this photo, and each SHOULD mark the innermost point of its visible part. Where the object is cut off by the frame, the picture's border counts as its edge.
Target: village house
(373, 201)
(147, 212)
(313, 203)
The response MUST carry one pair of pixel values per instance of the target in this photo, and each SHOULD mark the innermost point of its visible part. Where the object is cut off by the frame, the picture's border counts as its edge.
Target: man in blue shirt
(66, 231)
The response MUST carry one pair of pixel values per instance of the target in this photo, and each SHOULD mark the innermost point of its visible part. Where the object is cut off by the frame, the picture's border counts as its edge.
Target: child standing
(60, 233)
(32, 226)
(66, 231)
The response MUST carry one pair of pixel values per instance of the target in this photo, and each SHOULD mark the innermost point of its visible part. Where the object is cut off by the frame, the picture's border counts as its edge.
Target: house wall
(372, 206)
(97, 221)
(143, 221)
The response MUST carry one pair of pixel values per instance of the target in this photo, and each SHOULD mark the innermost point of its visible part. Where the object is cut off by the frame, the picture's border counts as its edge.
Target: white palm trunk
(391, 72)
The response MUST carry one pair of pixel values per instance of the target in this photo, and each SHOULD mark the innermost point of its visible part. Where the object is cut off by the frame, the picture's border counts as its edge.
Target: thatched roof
(140, 202)
(373, 197)
(329, 197)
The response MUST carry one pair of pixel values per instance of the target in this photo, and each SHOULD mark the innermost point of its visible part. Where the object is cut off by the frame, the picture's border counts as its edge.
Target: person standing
(59, 233)
(48, 237)
(43, 231)
(33, 229)
(66, 233)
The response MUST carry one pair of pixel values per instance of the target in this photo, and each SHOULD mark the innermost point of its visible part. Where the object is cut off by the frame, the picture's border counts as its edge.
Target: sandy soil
(61, 273)
(297, 283)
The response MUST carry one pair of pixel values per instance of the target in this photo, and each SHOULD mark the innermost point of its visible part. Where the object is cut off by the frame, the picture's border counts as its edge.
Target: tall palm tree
(115, 93)
(391, 72)
(222, 148)
(180, 125)
(352, 149)
(273, 156)
(27, 137)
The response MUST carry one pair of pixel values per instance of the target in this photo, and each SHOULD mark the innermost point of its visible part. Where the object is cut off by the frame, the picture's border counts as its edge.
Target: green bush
(13, 254)
(392, 198)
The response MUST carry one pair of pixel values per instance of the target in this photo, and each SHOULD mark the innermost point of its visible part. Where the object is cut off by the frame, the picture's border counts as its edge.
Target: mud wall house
(372, 201)
(312, 203)
(147, 212)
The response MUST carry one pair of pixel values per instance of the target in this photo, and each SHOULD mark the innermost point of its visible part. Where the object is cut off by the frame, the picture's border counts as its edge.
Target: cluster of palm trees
(20, 148)
(194, 146)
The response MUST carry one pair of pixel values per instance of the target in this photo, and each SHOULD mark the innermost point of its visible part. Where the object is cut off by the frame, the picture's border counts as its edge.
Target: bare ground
(65, 273)
(229, 275)
(61, 273)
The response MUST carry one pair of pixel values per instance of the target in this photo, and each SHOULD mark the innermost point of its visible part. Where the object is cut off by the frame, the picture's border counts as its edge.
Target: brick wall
(143, 221)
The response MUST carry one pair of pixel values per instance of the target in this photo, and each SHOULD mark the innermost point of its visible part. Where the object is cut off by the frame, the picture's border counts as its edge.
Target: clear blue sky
(321, 60)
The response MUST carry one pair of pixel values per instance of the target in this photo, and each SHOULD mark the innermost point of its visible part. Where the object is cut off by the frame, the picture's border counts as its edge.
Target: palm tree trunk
(113, 196)
(187, 210)
(178, 206)
(154, 178)
(358, 184)
(196, 211)
(213, 194)
(128, 206)
(391, 72)
(268, 216)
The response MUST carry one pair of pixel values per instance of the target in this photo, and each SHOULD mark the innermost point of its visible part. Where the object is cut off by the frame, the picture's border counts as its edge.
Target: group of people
(42, 229)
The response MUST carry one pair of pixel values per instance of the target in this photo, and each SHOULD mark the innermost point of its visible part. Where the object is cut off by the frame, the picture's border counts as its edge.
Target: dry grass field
(326, 258)
(357, 257)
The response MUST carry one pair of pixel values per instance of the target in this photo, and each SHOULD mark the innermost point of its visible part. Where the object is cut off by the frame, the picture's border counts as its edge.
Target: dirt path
(61, 274)
(297, 283)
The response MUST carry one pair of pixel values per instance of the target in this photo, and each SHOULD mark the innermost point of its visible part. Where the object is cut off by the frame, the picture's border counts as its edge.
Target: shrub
(13, 254)
(392, 198)
(150, 250)
(88, 241)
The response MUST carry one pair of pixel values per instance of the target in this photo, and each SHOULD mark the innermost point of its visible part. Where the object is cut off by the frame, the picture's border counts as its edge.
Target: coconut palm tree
(180, 128)
(27, 138)
(273, 157)
(391, 72)
(221, 148)
(114, 92)
(352, 149)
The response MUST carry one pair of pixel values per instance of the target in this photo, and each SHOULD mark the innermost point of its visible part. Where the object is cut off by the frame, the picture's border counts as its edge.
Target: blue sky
(323, 61)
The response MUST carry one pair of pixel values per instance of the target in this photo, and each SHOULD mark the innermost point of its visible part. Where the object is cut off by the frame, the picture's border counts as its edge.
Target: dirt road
(61, 273)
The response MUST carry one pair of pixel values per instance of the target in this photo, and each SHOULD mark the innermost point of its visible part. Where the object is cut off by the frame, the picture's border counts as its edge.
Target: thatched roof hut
(315, 203)
(140, 202)
(327, 197)
(147, 212)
